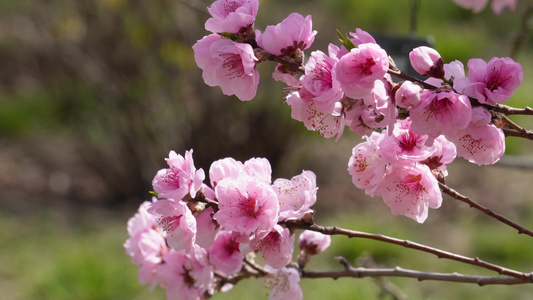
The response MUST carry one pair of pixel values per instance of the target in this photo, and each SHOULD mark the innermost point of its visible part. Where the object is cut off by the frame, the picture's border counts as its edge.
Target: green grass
(47, 257)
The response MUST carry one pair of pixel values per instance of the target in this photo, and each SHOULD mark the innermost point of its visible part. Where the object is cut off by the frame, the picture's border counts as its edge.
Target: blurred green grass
(49, 258)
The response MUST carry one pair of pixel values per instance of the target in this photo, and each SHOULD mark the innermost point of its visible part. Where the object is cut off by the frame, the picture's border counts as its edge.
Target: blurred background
(95, 93)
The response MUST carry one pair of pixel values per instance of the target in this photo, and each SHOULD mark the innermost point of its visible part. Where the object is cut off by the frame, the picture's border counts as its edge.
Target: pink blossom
(408, 94)
(476, 5)
(357, 70)
(283, 284)
(427, 62)
(445, 153)
(229, 65)
(146, 247)
(409, 190)
(355, 112)
(258, 168)
(148, 275)
(145, 243)
(177, 222)
(440, 112)
(380, 111)
(328, 124)
(492, 82)
(453, 71)
(401, 143)
(276, 246)
(296, 196)
(246, 206)
(224, 254)
(180, 179)
(294, 32)
(283, 74)
(231, 15)
(498, 5)
(481, 116)
(482, 145)
(224, 168)
(313, 242)
(187, 276)
(361, 37)
(142, 220)
(320, 80)
(366, 165)
(206, 228)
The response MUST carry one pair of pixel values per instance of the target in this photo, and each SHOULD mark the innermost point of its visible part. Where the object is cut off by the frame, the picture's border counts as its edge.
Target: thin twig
(508, 110)
(522, 33)
(454, 194)
(398, 73)
(360, 272)
(527, 134)
(386, 285)
(334, 230)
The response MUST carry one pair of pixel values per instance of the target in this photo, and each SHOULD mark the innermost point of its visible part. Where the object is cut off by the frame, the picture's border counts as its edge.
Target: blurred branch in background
(121, 89)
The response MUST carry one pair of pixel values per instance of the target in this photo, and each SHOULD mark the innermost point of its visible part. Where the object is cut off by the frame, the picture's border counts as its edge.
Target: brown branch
(333, 230)
(398, 73)
(526, 134)
(522, 33)
(454, 194)
(360, 272)
(508, 110)
(386, 285)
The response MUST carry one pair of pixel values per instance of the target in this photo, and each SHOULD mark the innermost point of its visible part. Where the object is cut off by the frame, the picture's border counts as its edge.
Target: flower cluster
(400, 167)
(422, 125)
(195, 237)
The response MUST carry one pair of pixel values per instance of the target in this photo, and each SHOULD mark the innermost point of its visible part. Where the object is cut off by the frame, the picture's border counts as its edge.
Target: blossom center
(360, 163)
(470, 144)
(365, 67)
(411, 185)
(248, 207)
(171, 178)
(231, 6)
(323, 74)
(233, 65)
(437, 107)
(291, 50)
(408, 140)
(169, 224)
(495, 79)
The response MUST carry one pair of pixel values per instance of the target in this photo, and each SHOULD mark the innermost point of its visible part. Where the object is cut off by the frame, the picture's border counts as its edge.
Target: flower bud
(427, 62)
(408, 94)
(313, 242)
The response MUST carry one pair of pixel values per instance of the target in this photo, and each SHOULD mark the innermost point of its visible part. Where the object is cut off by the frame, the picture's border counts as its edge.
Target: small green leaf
(231, 36)
(153, 193)
(345, 41)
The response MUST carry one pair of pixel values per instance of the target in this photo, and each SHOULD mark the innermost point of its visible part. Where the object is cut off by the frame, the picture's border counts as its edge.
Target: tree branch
(508, 110)
(350, 271)
(454, 194)
(333, 230)
(398, 73)
(526, 134)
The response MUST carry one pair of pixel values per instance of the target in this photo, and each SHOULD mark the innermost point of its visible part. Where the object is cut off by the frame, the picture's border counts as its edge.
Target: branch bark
(333, 230)
(350, 271)
(454, 194)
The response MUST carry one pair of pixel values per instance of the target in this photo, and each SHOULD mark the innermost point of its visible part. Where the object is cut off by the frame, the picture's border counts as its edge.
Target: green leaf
(231, 36)
(153, 193)
(345, 41)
